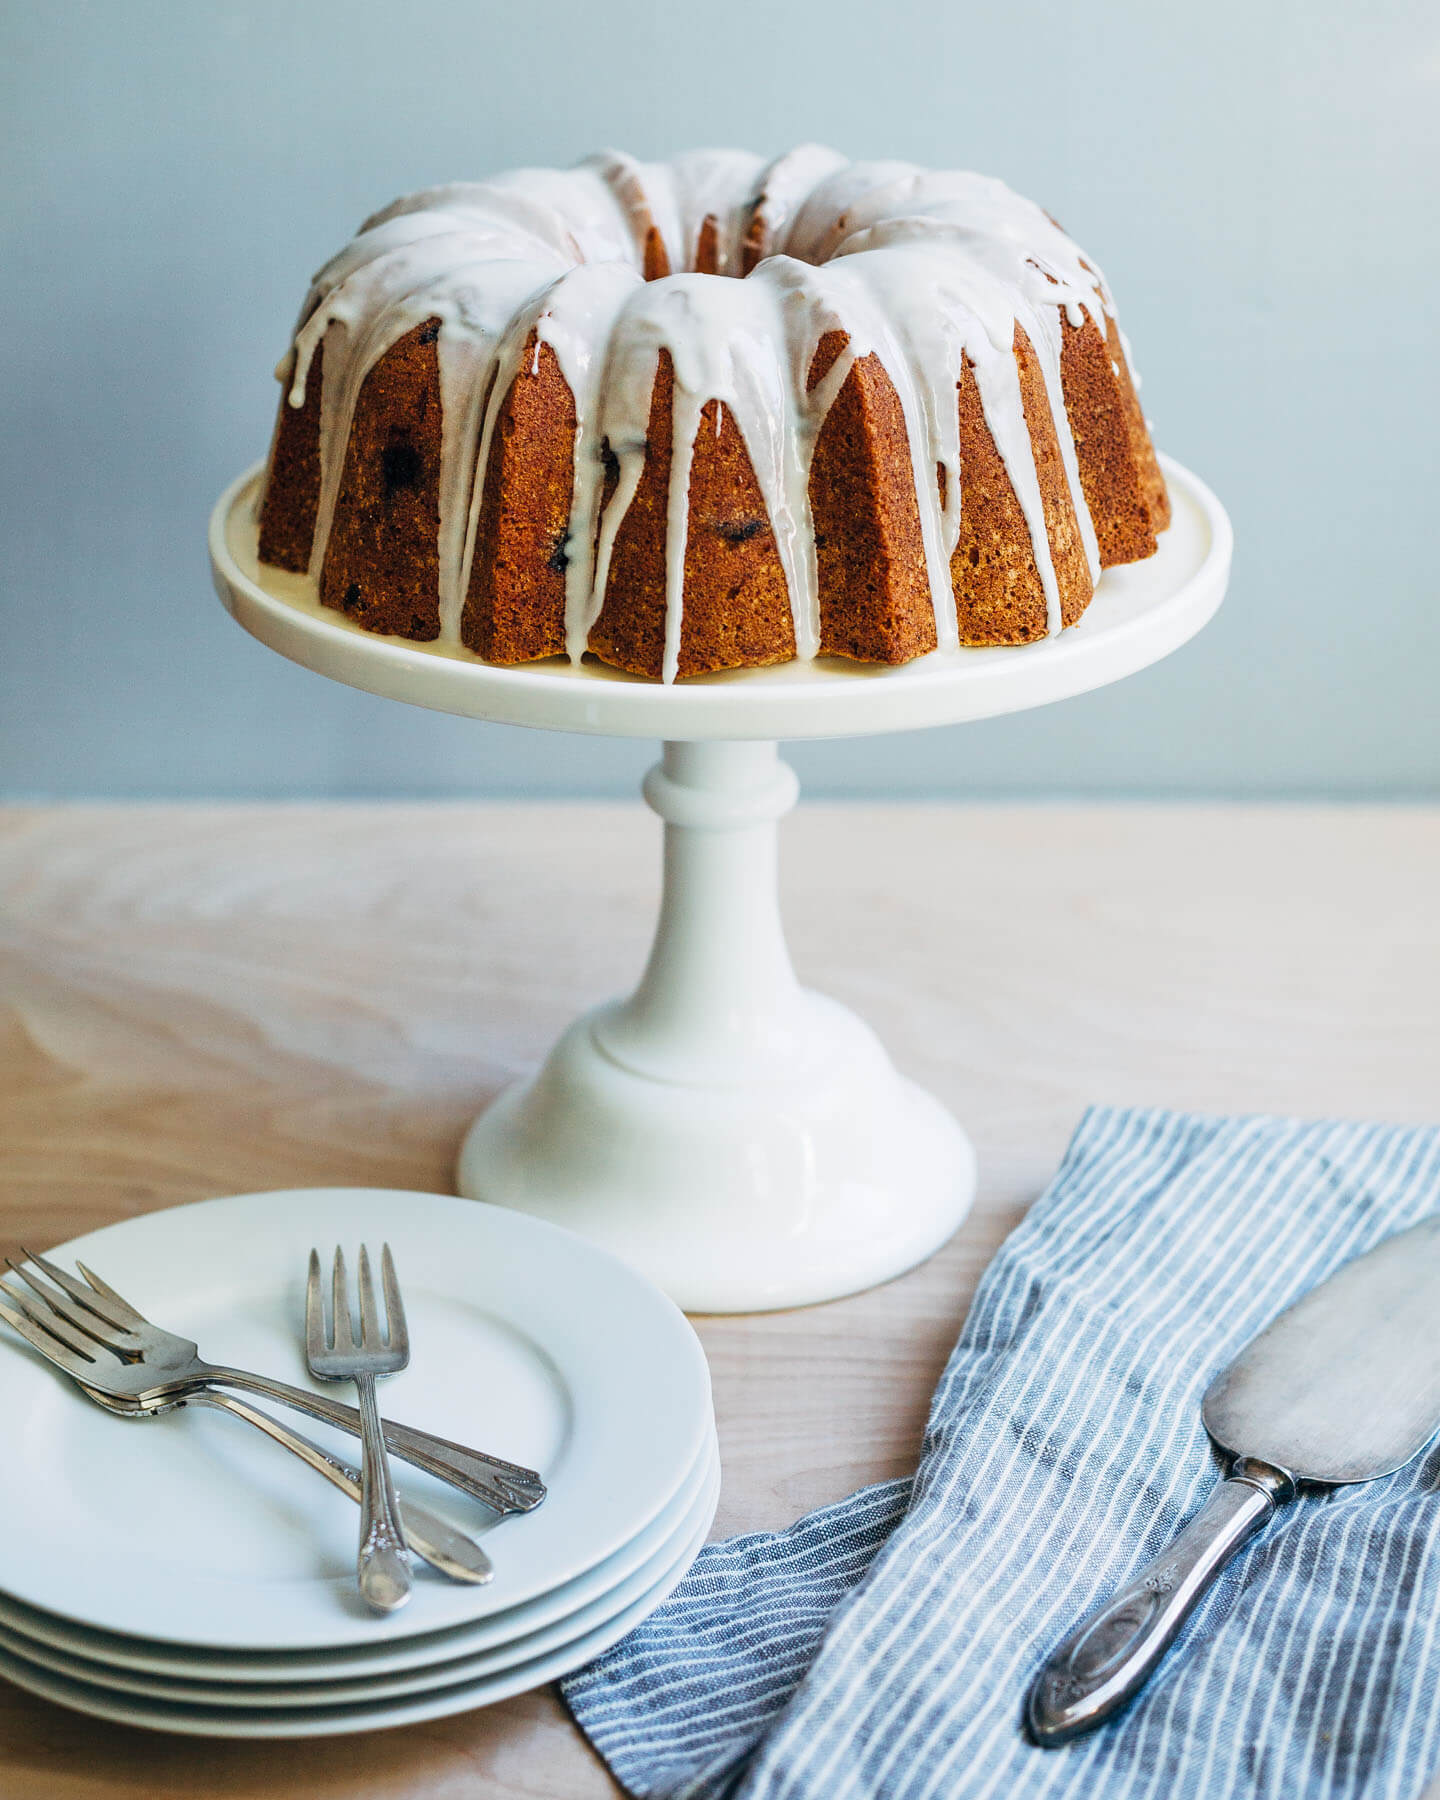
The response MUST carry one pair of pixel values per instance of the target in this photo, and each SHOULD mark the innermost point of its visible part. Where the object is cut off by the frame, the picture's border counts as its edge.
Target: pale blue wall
(1259, 180)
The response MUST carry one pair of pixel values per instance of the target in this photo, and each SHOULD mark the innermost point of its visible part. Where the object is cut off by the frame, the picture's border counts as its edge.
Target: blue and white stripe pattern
(882, 1647)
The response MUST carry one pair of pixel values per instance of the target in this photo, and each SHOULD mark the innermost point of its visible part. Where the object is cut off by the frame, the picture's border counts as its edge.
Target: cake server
(1343, 1387)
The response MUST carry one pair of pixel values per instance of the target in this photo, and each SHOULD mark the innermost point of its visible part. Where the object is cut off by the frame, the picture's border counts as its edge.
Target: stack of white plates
(185, 1573)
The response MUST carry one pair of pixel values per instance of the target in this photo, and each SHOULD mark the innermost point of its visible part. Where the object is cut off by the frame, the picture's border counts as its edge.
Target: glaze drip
(937, 275)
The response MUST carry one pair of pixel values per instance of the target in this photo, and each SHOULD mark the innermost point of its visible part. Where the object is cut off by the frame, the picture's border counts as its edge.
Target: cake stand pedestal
(744, 1142)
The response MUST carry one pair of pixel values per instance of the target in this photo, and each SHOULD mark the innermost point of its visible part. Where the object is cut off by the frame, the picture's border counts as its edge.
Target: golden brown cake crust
(999, 592)
(736, 611)
(999, 598)
(1098, 422)
(707, 247)
(382, 563)
(875, 603)
(754, 240)
(292, 488)
(1147, 464)
(657, 257)
(515, 601)
(1062, 528)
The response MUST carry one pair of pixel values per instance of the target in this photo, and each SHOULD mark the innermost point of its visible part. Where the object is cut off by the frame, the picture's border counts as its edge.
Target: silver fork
(91, 1332)
(382, 1565)
(429, 1536)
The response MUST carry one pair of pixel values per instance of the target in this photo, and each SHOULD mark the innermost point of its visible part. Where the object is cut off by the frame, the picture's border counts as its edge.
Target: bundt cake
(708, 414)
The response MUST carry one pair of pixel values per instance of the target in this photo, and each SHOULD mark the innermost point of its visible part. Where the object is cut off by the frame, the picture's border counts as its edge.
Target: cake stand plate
(742, 1141)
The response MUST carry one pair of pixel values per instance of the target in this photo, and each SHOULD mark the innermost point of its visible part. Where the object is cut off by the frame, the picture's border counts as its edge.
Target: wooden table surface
(208, 1000)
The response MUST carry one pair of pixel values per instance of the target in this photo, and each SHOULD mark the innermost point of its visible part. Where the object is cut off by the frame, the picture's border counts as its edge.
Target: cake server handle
(1114, 1651)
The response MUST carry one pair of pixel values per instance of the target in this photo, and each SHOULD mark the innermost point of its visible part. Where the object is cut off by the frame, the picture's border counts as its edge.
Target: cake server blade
(1344, 1386)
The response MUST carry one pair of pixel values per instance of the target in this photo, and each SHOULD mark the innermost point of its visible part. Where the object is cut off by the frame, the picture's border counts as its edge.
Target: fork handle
(432, 1538)
(506, 1487)
(381, 1565)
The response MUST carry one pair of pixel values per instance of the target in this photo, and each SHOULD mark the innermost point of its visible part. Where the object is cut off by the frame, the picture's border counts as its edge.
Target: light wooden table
(207, 1000)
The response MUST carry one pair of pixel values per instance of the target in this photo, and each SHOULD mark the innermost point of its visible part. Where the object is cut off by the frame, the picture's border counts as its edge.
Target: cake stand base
(745, 1143)
(736, 1201)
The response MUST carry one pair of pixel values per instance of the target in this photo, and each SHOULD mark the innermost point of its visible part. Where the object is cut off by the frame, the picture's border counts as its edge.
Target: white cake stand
(744, 1142)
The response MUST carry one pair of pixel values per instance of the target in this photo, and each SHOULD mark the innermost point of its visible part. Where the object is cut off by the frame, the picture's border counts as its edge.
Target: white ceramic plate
(289, 1667)
(369, 1688)
(330, 1721)
(525, 1340)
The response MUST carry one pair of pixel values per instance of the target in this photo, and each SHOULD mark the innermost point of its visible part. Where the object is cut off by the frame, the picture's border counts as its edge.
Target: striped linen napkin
(881, 1648)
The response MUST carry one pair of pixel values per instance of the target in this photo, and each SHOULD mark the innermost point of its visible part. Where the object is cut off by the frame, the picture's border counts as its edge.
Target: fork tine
(342, 1336)
(49, 1347)
(371, 1337)
(76, 1354)
(117, 1302)
(314, 1309)
(88, 1297)
(57, 1306)
(398, 1330)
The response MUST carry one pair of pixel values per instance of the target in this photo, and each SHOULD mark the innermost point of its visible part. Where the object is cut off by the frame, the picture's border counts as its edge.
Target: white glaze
(925, 270)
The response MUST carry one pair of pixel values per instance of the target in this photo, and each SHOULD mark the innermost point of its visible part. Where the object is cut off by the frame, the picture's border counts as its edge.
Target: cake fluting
(710, 414)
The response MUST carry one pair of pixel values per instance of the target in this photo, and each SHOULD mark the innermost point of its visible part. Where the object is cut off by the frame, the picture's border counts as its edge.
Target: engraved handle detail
(383, 1565)
(504, 1486)
(427, 1535)
(1111, 1654)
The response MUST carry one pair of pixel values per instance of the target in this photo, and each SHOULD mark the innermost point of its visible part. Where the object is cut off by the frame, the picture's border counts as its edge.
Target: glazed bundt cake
(709, 414)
